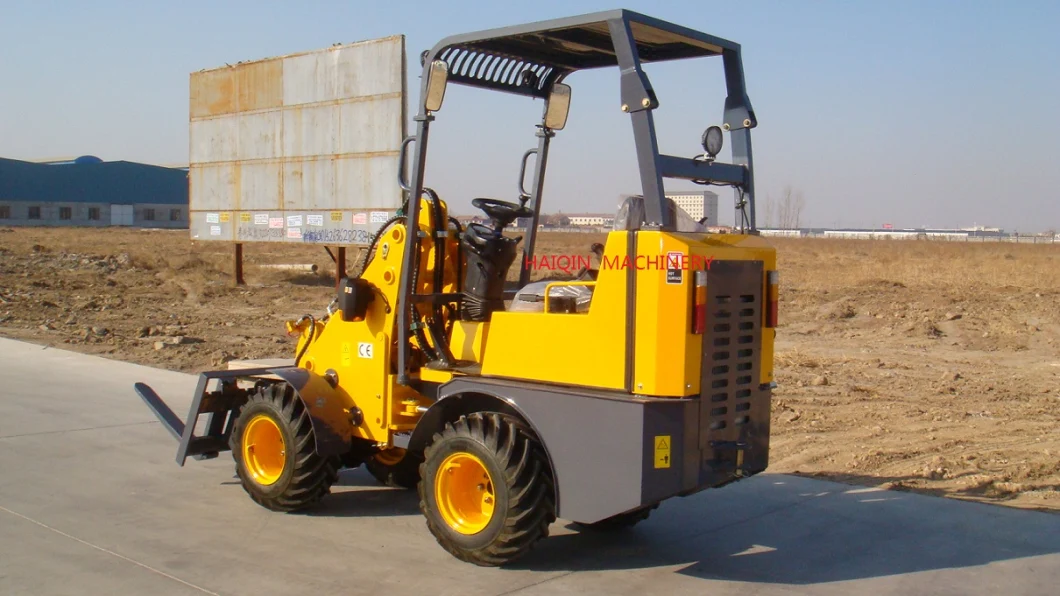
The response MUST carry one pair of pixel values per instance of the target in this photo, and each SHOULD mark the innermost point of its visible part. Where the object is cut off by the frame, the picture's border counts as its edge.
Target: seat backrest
(630, 216)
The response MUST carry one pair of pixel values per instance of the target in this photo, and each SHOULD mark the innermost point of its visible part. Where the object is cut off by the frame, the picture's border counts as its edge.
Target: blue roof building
(87, 191)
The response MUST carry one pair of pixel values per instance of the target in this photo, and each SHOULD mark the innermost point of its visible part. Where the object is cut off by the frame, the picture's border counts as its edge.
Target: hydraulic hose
(438, 227)
(414, 317)
(375, 239)
(439, 243)
(309, 340)
(459, 264)
(455, 313)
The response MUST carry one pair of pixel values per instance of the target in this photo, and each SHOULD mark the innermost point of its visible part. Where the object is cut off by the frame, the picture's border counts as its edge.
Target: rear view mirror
(558, 107)
(436, 80)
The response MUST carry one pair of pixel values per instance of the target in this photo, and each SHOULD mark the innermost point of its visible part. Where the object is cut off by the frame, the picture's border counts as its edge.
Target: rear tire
(395, 467)
(275, 452)
(487, 490)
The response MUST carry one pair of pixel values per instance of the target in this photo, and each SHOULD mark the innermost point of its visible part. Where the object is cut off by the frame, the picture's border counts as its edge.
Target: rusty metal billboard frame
(301, 148)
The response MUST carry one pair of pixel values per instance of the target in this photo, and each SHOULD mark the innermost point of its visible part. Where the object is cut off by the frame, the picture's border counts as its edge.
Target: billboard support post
(340, 267)
(239, 265)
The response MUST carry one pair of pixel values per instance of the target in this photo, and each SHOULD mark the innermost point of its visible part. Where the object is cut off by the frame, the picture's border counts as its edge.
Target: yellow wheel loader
(591, 399)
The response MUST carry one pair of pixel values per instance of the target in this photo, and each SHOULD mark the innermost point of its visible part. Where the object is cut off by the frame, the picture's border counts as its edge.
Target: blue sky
(939, 113)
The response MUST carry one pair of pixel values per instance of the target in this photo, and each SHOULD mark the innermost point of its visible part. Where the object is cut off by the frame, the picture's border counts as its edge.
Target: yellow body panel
(588, 349)
(577, 348)
(468, 340)
(668, 354)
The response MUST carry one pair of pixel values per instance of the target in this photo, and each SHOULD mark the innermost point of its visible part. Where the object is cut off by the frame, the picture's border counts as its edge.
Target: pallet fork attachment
(219, 404)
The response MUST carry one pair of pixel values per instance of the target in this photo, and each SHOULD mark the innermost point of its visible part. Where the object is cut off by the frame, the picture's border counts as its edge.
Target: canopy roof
(528, 59)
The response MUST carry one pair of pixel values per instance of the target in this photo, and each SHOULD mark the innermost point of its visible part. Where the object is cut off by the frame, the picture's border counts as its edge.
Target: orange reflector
(699, 303)
(701, 295)
(772, 298)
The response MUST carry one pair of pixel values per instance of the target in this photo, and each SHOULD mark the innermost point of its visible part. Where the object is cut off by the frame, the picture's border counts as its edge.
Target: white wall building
(697, 204)
(591, 219)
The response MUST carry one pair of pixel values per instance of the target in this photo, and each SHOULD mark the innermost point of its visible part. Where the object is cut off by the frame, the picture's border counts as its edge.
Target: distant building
(789, 233)
(697, 204)
(590, 219)
(87, 191)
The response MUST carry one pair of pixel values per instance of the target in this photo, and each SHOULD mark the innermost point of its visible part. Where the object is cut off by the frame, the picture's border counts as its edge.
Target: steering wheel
(502, 212)
(478, 237)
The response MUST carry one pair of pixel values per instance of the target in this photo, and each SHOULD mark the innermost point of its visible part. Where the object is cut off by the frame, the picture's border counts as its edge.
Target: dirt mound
(939, 378)
(153, 297)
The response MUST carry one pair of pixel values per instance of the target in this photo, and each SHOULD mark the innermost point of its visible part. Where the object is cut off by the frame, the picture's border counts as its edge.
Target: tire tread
(313, 475)
(531, 501)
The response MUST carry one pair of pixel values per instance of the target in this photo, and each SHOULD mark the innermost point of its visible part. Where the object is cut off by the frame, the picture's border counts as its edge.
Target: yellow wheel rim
(465, 494)
(264, 453)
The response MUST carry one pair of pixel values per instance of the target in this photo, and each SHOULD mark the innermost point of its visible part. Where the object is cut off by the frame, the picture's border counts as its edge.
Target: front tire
(487, 490)
(275, 452)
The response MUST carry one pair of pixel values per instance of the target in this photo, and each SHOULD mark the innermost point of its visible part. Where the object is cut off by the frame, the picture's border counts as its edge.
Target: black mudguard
(331, 409)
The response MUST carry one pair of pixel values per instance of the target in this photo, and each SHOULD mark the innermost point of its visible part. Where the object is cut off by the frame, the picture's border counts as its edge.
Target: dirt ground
(923, 366)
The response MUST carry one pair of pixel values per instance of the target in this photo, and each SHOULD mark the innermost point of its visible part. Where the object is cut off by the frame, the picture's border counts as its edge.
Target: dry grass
(822, 264)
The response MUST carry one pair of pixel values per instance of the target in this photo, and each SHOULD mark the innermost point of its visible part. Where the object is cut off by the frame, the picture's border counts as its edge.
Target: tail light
(699, 303)
(772, 298)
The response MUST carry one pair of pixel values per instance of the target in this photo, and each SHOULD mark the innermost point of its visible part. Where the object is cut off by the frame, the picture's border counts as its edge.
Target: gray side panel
(600, 443)
(669, 472)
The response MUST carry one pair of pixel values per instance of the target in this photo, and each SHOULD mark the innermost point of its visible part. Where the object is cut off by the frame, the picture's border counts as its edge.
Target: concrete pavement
(92, 502)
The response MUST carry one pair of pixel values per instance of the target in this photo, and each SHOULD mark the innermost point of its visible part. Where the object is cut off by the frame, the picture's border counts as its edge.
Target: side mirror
(437, 77)
(558, 107)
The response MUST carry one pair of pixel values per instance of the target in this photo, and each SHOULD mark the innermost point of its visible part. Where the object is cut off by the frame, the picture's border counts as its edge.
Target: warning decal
(662, 451)
(673, 267)
(347, 354)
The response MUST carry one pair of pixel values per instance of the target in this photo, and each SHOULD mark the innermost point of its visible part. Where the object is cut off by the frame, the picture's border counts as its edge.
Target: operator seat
(490, 255)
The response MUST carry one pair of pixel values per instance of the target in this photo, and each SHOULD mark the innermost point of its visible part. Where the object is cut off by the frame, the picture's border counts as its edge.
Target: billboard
(299, 148)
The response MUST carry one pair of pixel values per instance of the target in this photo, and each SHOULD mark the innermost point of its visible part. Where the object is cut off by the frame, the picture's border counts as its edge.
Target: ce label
(364, 350)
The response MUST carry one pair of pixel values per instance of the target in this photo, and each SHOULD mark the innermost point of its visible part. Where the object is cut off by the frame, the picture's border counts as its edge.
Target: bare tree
(790, 209)
(770, 212)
